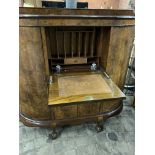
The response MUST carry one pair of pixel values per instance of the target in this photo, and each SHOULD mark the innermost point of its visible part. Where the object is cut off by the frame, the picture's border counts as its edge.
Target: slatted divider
(79, 43)
(57, 44)
(47, 32)
(92, 43)
(53, 44)
(86, 45)
(60, 44)
(67, 44)
(74, 42)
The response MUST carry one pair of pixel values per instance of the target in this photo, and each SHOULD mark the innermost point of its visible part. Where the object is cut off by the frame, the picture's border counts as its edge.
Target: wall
(110, 4)
(102, 4)
(126, 4)
(96, 4)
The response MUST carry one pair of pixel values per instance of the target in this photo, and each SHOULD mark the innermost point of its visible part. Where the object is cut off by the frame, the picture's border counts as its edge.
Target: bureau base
(99, 119)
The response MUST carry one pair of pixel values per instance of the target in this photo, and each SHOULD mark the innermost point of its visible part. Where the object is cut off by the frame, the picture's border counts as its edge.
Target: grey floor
(118, 137)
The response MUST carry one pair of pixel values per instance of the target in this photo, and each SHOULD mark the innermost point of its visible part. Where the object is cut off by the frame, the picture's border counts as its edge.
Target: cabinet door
(33, 81)
(120, 46)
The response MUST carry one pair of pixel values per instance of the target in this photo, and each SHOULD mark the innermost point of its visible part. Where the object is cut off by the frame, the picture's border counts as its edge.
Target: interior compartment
(76, 48)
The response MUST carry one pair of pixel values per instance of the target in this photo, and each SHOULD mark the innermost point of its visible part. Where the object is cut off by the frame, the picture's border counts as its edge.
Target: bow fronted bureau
(73, 64)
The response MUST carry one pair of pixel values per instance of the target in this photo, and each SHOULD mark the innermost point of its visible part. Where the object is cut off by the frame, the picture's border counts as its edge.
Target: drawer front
(87, 109)
(111, 105)
(75, 60)
(65, 112)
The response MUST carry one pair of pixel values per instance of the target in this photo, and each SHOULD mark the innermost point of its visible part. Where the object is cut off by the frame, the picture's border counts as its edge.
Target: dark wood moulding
(74, 17)
(77, 12)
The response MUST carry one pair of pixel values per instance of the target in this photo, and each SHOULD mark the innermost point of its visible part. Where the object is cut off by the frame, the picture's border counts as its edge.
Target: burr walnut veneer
(73, 64)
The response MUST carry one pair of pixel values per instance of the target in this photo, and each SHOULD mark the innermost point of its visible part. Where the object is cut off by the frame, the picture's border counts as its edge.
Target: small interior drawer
(75, 60)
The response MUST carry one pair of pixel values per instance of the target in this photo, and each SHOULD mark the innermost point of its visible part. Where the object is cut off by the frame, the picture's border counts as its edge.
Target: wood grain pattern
(121, 42)
(65, 112)
(88, 109)
(45, 50)
(33, 83)
(85, 109)
(103, 45)
(107, 106)
(74, 12)
(75, 22)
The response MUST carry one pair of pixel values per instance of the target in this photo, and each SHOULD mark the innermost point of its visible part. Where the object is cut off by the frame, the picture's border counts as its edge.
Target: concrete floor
(118, 137)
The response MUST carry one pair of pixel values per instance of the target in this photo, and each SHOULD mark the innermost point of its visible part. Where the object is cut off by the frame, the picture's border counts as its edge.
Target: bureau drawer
(65, 112)
(111, 105)
(75, 60)
(90, 108)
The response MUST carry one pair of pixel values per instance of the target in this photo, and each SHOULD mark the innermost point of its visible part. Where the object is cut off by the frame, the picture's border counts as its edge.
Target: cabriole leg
(99, 125)
(54, 133)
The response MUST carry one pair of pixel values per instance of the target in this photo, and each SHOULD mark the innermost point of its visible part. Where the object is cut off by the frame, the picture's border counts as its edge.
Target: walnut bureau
(73, 64)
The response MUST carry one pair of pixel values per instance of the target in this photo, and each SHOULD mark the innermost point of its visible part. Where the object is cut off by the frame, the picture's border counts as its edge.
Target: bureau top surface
(79, 87)
(75, 17)
(75, 13)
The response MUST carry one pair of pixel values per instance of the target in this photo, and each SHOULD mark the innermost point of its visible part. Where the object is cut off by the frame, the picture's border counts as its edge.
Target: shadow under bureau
(72, 65)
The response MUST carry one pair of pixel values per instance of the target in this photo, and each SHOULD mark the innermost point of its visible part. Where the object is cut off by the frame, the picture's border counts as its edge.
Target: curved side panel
(33, 89)
(47, 123)
(121, 42)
